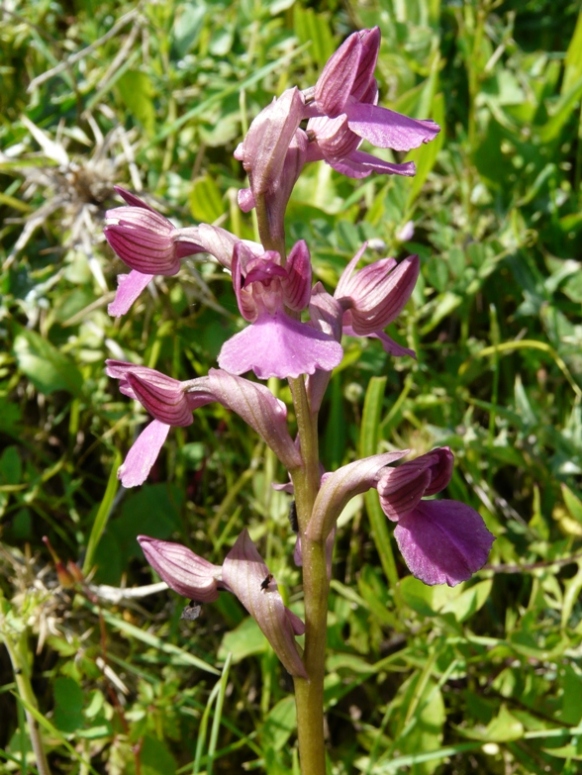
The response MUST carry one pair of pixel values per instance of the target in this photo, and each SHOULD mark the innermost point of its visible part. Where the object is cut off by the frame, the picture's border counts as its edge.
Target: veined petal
(359, 164)
(336, 81)
(132, 199)
(443, 542)
(339, 487)
(389, 345)
(278, 346)
(143, 454)
(129, 287)
(400, 489)
(143, 239)
(167, 403)
(388, 129)
(183, 571)
(245, 573)
(259, 408)
(297, 287)
(325, 312)
(269, 136)
(378, 293)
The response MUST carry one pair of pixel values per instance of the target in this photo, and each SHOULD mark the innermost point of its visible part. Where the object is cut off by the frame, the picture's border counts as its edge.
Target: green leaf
(573, 503)
(103, 513)
(314, 28)
(47, 368)
(155, 758)
(68, 712)
(245, 641)
(368, 445)
(205, 200)
(573, 62)
(561, 113)
(469, 601)
(136, 91)
(279, 725)
(187, 27)
(503, 727)
(10, 466)
(425, 157)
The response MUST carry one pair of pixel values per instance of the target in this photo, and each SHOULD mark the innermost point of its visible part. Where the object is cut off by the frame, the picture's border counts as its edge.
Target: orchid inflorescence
(294, 331)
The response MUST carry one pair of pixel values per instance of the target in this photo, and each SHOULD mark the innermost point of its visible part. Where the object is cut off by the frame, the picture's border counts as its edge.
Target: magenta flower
(331, 140)
(339, 487)
(273, 155)
(346, 87)
(245, 575)
(147, 242)
(183, 571)
(151, 245)
(172, 402)
(442, 542)
(275, 344)
(375, 296)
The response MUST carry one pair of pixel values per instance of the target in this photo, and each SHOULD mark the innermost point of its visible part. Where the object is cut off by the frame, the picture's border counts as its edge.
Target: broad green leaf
(244, 641)
(155, 758)
(279, 724)
(68, 712)
(136, 91)
(205, 200)
(561, 113)
(470, 601)
(504, 727)
(45, 366)
(187, 27)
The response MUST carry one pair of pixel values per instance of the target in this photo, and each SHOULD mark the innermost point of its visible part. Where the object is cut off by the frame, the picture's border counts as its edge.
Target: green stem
(17, 650)
(309, 692)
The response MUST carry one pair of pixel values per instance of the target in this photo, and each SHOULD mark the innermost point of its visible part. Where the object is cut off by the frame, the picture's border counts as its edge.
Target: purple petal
(129, 287)
(259, 408)
(378, 293)
(269, 136)
(132, 199)
(143, 454)
(443, 542)
(166, 402)
(246, 200)
(143, 239)
(387, 129)
(182, 570)
(359, 164)
(336, 81)
(339, 487)
(297, 288)
(245, 572)
(389, 345)
(278, 346)
(325, 312)
(400, 489)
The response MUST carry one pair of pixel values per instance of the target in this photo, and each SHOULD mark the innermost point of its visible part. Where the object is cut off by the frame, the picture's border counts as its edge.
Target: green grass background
(485, 678)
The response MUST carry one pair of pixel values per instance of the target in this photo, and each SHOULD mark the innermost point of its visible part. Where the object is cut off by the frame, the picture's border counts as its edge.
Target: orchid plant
(294, 332)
